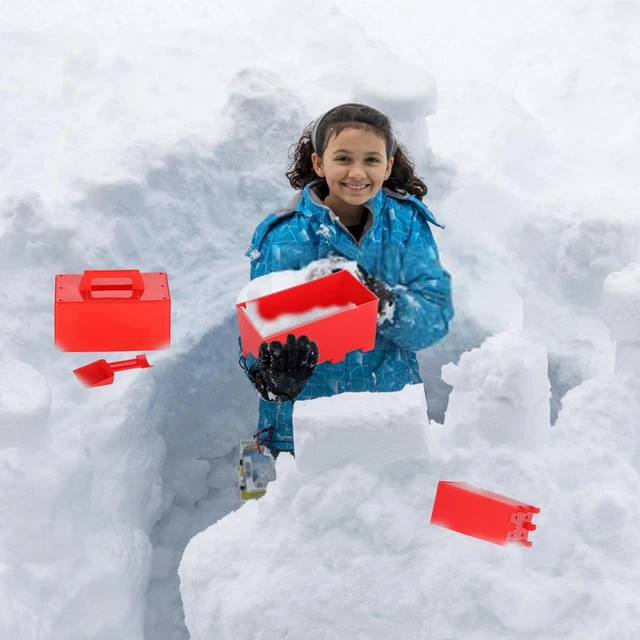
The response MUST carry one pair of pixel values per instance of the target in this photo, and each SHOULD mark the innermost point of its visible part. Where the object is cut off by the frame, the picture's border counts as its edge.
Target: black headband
(316, 126)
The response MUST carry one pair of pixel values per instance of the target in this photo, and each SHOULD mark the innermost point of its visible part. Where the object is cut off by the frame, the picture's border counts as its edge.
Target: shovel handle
(136, 286)
(139, 361)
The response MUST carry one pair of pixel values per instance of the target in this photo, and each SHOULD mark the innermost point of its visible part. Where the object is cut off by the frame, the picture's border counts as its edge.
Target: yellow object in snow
(256, 468)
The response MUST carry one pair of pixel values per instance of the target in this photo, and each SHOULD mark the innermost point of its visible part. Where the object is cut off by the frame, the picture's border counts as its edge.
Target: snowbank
(155, 134)
(342, 548)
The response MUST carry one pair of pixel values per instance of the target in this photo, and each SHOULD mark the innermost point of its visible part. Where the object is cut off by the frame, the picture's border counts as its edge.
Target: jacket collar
(309, 200)
(315, 191)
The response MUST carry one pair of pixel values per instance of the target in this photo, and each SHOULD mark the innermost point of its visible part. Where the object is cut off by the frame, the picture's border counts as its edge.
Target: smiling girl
(359, 201)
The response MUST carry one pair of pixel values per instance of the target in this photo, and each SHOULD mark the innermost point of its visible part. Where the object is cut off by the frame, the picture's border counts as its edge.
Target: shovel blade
(95, 374)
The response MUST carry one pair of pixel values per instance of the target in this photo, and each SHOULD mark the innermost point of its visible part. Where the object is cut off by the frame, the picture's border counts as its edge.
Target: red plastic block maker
(335, 334)
(482, 514)
(112, 310)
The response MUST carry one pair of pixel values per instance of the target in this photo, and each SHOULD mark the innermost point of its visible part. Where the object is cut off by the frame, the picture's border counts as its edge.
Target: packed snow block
(621, 311)
(500, 394)
(621, 307)
(366, 428)
(482, 514)
(403, 91)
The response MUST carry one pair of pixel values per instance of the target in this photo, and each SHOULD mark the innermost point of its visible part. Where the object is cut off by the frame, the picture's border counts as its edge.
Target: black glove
(334, 263)
(284, 368)
(382, 290)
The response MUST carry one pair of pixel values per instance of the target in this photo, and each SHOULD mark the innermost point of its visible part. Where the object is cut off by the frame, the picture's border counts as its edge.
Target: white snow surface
(341, 546)
(622, 309)
(154, 135)
(286, 321)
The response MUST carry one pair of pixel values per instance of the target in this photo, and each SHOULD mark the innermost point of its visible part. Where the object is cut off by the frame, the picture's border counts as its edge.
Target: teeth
(353, 187)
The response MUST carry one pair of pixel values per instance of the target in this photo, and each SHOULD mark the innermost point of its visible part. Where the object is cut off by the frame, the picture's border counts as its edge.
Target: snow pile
(297, 562)
(73, 531)
(25, 402)
(341, 547)
(154, 135)
(104, 487)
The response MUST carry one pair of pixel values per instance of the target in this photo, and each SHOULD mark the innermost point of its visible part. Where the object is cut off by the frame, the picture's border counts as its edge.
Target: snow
(408, 92)
(622, 309)
(286, 321)
(270, 283)
(324, 443)
(154, 135)
(25, 402)
(500, 393)
(341, 546)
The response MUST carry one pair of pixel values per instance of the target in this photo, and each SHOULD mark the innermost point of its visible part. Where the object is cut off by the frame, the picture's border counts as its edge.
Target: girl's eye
(341, 158)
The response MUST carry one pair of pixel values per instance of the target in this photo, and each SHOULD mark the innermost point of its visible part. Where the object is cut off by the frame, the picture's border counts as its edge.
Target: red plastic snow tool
(101, 372)
(112, 310)
(336, 334)
(482, 514)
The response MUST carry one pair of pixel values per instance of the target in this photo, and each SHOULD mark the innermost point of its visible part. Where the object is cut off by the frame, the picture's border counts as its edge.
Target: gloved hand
(387, 304)
(331, 264)
(335, 263)
(284, 368)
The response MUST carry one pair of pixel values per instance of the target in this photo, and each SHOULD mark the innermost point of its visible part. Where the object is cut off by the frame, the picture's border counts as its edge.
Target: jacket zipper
(365, 233)
(339, 222)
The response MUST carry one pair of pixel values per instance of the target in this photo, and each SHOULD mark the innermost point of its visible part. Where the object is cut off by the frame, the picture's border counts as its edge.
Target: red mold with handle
(112, 310)
(335, 334)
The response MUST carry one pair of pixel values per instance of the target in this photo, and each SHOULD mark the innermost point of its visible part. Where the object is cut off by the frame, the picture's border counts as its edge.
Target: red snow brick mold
(336, 334)
(482, 514)
(112, 310)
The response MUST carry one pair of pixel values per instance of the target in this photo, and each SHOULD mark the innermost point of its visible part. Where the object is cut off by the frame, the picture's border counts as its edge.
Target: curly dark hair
(356, 116)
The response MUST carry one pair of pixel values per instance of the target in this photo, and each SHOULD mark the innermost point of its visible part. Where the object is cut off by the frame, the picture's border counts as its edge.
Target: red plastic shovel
(101, 372)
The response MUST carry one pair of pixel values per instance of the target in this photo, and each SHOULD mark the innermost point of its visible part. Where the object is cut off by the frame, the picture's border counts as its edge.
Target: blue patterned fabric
(396, 246)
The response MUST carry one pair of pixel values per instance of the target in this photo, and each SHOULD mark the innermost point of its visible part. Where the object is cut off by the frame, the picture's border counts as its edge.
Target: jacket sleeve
(277, 245)
(284, 245)
(423, 303)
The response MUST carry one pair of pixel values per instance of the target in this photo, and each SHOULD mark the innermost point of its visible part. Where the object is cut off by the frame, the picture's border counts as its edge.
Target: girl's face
(354, 165)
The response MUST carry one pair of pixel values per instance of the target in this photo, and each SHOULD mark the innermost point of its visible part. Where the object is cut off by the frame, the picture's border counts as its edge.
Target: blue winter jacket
(396, 246)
